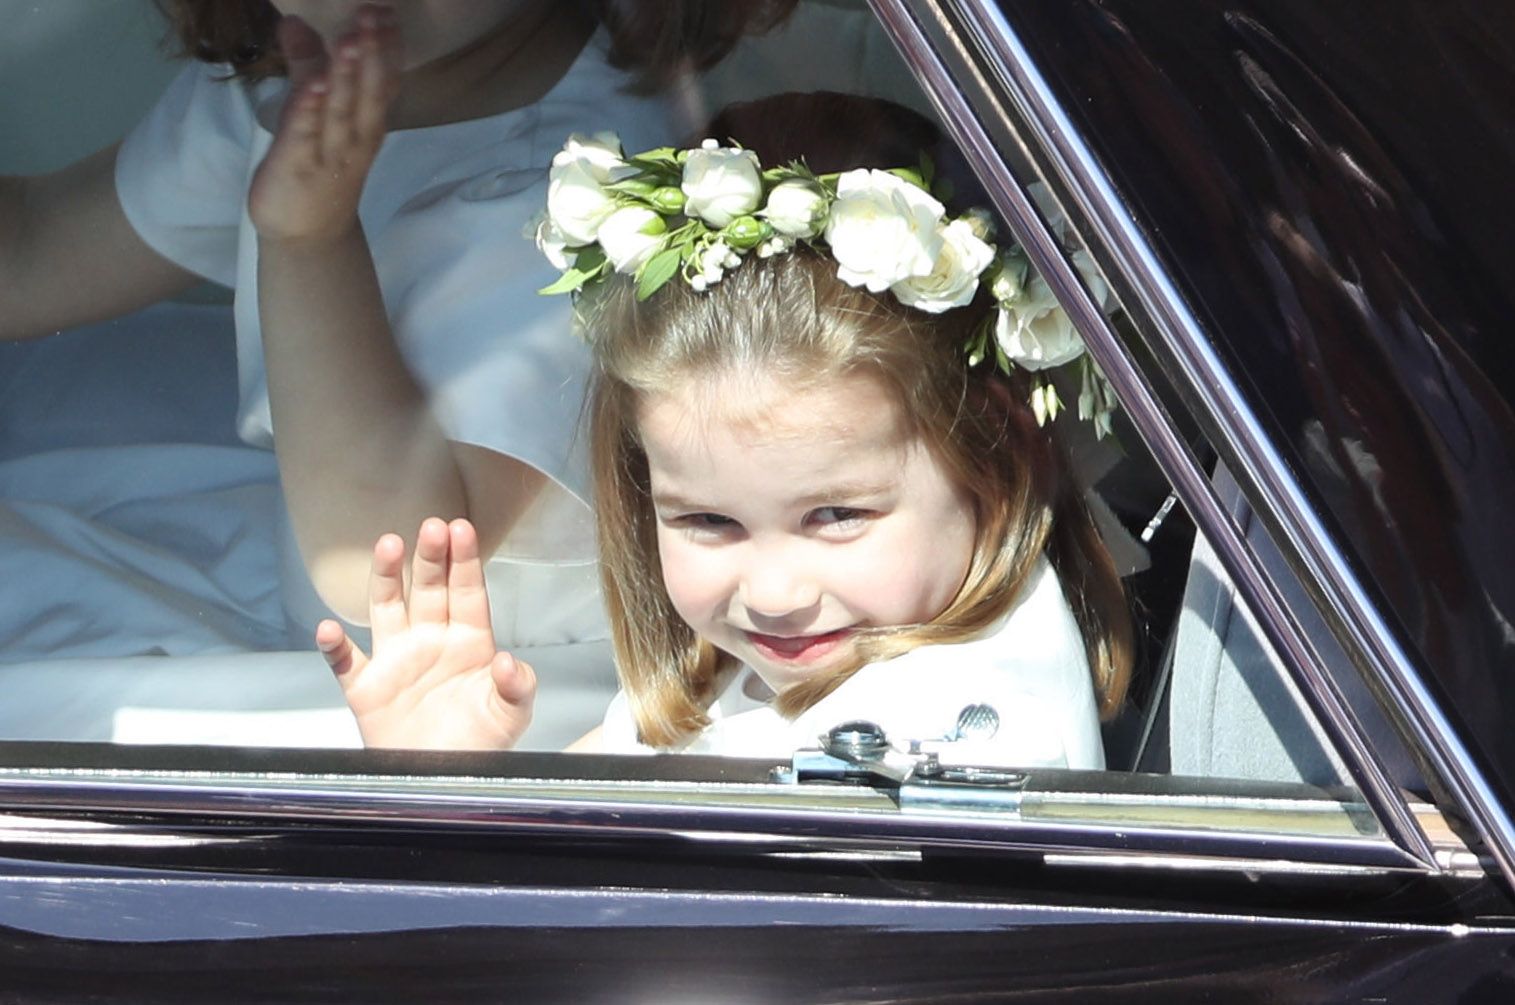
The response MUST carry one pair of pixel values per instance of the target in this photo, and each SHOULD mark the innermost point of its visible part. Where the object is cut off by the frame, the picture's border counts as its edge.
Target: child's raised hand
(435, 680)
(333, 124)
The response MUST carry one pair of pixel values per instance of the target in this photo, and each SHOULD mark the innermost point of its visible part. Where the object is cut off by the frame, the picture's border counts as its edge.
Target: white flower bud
(631, 236)
(711, 263)
(775, 245)
(796, 208)
(554, 244)
(1010, 283)
(577, 202)
(721, 183)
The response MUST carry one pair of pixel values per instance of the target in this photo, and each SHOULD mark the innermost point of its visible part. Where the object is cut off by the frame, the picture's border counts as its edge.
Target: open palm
(435, 680)
(309, 183)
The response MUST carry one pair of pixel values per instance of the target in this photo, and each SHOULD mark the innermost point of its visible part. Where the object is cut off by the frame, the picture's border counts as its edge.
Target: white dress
(1030, 668)
(445, 211)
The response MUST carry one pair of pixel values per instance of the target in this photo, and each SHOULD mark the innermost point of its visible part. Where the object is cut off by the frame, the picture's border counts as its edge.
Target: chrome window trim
(1076, 176)
(35, 805)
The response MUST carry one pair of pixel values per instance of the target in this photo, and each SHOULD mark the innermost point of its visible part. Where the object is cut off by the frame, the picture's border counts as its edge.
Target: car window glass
(1207, 700)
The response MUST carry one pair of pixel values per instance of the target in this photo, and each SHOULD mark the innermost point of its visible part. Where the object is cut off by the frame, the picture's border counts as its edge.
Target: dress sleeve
(181, 173)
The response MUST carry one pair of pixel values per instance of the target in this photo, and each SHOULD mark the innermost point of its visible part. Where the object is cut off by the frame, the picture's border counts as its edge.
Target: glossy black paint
(371, 914)
(1327, 185)
(1098, 962)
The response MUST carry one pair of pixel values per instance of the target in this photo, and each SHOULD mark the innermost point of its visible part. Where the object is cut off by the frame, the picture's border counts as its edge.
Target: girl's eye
(838, 516)
(704, 521)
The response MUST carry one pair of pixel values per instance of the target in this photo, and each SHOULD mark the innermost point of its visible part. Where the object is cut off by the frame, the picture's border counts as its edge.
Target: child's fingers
(467, 597)
(386, 589)
(514, 680)
(300, 127)
(337, 122)
(371, 105)
(428, 574)
(341, 655)
(378, 78)
(304, 52)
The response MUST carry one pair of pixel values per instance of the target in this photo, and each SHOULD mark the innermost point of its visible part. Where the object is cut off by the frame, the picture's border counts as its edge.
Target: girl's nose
(773, 589)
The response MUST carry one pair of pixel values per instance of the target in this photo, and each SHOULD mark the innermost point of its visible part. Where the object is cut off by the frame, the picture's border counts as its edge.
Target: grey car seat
(1233, 710)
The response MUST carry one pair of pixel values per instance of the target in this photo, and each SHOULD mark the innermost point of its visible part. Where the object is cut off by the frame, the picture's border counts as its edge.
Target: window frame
(989, 92)
(42, 779)
(1163, 820)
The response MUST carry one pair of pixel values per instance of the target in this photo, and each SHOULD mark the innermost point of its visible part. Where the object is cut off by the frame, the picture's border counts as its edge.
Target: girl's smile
(799, 649)
(793, 520)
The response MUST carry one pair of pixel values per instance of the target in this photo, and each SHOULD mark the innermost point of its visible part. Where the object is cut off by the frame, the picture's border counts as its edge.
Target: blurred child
(359, 174)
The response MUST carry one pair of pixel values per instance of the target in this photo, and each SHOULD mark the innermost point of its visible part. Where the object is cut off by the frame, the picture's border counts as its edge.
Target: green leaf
(591, 259)
(1004, 361)
(911, 175)
(637, 186)
(661, 268)
(660, 155)
(569, 282)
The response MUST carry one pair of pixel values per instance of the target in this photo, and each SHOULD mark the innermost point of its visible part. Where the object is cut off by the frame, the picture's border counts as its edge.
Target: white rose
(882, 229)
(577, 202)
(796, 208)
(1037, 334)
(553, 243)
(721, 183)
(631, 236)
(1035, 331)
(953, 279)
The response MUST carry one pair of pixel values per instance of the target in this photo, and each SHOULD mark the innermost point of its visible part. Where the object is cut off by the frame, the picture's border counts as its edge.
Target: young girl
(814, 504)
(359, 174)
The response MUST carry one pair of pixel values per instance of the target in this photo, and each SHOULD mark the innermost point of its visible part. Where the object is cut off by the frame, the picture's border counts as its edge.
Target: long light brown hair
(789, 316)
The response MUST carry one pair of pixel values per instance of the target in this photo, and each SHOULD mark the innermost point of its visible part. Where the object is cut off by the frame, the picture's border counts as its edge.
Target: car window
(157, 615)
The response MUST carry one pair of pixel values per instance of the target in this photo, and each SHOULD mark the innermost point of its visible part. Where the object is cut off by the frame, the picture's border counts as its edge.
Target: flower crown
(696, 213)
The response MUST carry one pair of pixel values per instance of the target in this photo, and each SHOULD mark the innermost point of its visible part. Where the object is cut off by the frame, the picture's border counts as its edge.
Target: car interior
(1210, 700)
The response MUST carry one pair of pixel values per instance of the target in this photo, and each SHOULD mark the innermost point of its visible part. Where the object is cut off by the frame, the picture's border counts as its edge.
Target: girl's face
(429, 29)
(790, 521)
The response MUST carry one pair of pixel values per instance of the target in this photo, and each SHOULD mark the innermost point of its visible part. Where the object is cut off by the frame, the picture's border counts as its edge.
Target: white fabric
(132, 521)
(268, 699)
(1030, 668)
(444, 210)
(140, 583)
